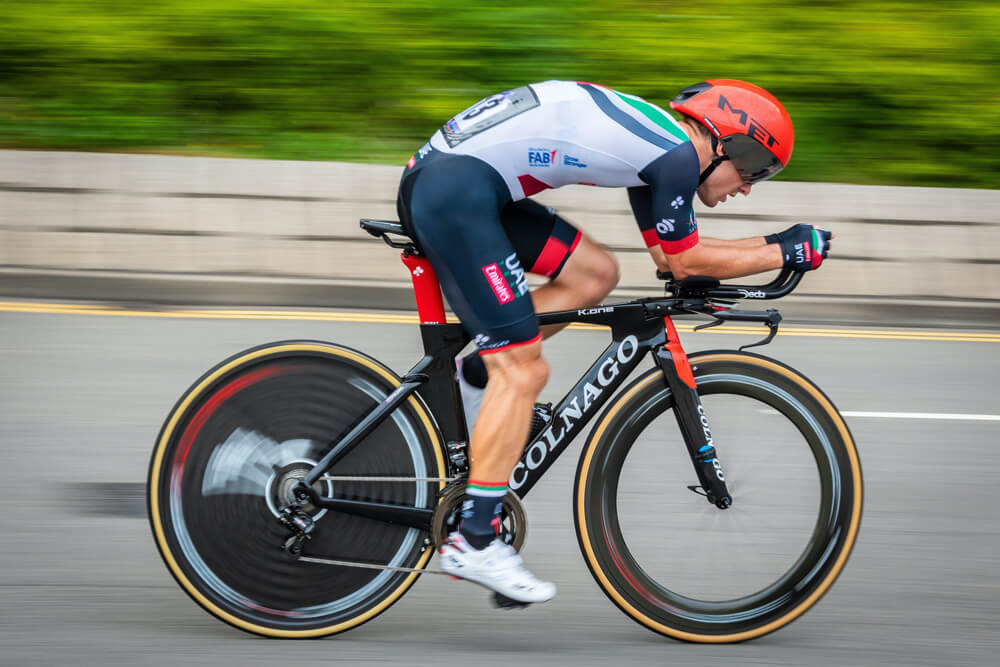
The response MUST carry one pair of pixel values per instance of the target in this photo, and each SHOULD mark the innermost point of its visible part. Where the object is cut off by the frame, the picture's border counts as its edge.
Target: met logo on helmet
(754, 128)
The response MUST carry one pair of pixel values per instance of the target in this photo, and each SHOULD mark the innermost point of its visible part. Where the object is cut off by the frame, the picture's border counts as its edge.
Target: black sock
(474, 370)
(481, 512)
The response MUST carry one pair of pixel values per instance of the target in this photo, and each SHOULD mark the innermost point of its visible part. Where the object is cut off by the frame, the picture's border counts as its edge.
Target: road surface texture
(83, 395)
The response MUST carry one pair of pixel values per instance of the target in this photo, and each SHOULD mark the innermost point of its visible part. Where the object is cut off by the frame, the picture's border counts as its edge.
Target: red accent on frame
(531, 185)
(426, 289)
(677, 354)
(686, 243)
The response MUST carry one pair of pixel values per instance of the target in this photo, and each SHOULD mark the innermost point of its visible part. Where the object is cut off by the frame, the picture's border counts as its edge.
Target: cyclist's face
(722, 183)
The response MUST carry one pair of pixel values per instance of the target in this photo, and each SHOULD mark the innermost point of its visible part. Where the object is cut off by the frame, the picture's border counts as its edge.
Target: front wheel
(683, 568)
(233, 449)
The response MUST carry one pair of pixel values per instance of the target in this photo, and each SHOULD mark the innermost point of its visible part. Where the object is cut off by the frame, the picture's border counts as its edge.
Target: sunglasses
(753, 162)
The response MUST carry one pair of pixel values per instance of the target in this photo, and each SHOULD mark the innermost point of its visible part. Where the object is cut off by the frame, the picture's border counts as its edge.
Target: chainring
(513, 521)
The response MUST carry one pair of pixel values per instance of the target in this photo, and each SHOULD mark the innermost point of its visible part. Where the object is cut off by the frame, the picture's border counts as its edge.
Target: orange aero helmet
(755, 130)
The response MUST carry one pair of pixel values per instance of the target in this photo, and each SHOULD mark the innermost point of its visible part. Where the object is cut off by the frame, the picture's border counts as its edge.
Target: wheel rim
(242, 475)
(799, 577)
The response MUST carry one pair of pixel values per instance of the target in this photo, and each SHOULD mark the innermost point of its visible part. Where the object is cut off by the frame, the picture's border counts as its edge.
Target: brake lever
(708, 325)
(772, 326)
(770, 318)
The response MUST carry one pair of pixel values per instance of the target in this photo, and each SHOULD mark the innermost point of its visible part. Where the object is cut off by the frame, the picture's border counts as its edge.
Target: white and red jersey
(555, 133)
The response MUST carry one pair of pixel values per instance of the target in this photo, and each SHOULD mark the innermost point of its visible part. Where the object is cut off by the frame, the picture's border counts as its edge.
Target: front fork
(691, 419)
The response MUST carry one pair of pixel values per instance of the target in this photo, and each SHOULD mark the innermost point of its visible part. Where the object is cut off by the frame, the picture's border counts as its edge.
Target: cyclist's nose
(745, 189)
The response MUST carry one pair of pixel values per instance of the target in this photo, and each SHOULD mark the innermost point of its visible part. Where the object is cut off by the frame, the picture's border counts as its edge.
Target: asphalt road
(83, 395)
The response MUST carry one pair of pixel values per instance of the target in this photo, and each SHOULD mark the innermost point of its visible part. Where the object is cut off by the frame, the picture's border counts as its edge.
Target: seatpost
(426, 289)
(691, 418)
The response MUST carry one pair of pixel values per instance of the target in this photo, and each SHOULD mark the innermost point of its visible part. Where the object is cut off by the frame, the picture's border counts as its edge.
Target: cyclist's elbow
(684, 264)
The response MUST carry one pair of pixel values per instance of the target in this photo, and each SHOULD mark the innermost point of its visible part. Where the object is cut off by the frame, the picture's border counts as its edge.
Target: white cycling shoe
(497, 567)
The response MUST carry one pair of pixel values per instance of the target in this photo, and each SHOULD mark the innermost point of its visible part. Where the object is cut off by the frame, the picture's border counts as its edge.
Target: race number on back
(488, 113)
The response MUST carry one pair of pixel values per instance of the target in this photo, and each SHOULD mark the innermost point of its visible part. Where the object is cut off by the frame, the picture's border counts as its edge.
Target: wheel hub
(282, 484)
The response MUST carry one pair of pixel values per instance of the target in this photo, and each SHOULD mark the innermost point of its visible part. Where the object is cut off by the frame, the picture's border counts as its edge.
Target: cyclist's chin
(708, 199)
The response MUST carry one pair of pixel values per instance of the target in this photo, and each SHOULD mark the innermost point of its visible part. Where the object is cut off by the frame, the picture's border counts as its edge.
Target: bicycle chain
(372, 566)
(367, 566)
(351, 478)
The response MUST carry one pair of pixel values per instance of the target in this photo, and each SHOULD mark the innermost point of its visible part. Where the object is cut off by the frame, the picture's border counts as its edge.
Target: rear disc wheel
(231, 452)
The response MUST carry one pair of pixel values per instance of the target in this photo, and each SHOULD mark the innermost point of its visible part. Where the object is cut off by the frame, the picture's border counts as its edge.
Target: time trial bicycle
(299, 488)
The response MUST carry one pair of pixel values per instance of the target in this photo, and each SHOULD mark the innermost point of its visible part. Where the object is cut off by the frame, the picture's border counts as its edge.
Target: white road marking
(923, 415)
(907, 415)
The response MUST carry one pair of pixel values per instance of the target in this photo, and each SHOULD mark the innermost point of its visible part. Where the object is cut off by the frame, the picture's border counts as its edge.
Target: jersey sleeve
(663, 208)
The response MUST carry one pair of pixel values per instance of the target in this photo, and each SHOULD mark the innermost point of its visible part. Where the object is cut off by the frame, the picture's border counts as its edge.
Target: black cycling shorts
(481, 244)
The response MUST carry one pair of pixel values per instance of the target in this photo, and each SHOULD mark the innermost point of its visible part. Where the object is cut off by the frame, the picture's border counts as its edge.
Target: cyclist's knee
(536, 376)
(521, 369)
(591, 273)
(605, 275)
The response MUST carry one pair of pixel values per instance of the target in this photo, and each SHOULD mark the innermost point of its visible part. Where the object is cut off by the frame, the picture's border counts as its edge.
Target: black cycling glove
(781, 236)
(803, 247)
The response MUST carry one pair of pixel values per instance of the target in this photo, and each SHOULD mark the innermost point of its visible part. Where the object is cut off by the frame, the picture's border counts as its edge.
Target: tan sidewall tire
(195, 393)
(622, 402)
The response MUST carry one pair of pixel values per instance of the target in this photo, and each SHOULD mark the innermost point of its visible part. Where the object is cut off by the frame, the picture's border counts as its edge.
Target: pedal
(503, 602)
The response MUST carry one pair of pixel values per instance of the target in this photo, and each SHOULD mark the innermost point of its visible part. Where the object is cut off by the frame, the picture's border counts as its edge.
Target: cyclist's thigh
(542, 239)
(453, 209)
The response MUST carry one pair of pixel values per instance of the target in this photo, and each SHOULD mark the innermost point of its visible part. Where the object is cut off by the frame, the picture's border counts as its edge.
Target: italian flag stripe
(490, 490)
(655, 114)
(487, 485)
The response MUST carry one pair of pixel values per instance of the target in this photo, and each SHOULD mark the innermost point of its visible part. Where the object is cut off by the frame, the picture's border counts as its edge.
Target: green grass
(896, 92)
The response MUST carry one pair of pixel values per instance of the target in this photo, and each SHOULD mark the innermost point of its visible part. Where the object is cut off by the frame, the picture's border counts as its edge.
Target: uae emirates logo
(499, 284)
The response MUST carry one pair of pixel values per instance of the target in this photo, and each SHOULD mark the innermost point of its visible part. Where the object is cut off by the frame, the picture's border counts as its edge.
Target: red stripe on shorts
(550, 258)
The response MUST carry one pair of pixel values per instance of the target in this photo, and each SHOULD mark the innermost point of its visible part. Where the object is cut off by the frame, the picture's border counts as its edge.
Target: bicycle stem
(691, 418)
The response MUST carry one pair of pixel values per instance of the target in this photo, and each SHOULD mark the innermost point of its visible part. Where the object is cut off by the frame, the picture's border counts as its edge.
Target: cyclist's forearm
(724, 262)
(752, 242)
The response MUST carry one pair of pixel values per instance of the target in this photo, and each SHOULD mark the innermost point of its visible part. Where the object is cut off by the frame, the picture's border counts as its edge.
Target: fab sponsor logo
(541, 157)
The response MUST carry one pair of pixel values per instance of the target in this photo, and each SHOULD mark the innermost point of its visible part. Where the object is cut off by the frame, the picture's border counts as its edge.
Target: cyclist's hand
(781, 236)
(804, 247)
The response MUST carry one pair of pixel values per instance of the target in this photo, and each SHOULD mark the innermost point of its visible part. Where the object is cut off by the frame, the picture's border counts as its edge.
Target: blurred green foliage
(894, 92)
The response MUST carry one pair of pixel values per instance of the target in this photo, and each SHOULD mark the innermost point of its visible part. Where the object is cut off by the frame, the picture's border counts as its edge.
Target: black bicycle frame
(636, 328)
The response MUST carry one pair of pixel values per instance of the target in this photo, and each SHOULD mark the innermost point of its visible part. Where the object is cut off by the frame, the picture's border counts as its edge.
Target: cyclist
(464, 197)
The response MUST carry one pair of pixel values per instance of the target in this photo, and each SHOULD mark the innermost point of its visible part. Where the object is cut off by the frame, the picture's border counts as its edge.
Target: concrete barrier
(165, 228)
